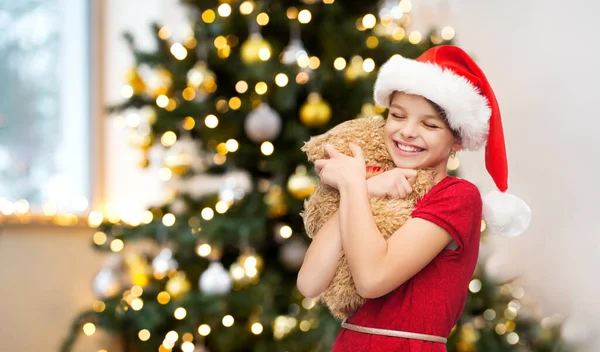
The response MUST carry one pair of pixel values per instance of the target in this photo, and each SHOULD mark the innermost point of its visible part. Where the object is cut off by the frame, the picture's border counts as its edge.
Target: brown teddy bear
(389, 213)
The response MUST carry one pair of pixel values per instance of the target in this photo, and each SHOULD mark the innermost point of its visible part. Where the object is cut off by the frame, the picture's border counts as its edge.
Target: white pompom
(215, 280)
(505, 214)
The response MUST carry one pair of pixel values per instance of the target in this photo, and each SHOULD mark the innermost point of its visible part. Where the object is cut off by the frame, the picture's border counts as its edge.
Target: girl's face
(416, 136)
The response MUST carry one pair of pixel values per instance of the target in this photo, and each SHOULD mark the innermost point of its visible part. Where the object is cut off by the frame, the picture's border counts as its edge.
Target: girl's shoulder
(455, 188)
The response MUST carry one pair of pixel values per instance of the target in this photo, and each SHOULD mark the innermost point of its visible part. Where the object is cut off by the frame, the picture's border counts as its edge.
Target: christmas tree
(237, 97)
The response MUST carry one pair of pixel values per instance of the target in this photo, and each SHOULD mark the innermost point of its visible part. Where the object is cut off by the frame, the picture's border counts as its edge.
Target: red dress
(431, 301)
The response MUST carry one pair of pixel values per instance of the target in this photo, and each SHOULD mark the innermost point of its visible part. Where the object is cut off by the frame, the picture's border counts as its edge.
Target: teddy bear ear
(315, 147)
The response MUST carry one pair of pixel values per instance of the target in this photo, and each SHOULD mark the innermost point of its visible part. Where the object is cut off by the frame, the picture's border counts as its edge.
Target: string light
(241, 87)
(405, 6)
(339, 63)
(369, 21)
(168, 219)
(207, 213)
(302, 77)
(144, 335)
(178, 51)
(256, 328)
(292, 13)
(89, 329)
(164, 174)
(285, 231)
(304, 325)
(314, 62)
(204, 330)
(281, 80)
(267, 148)
(162, 101)
(163, 298)
(221, 207)
(188, 94)
(99, 238)
(448, 33)
(203, 250)
(475, 285)
(211, 121)
(231, 145)
(116, 245)
(368, 65)
(304, 16)
(187, 347)
(164, 33)
(127, 91)
(264, 53)
(137, 304)
(246, 7)
(260, 88)
(180, 313)
(189, 123)
(228, 321)
(235, 103)
(414, 37)
(262, 19)
(224, 10)
(208, 16)
(168, 138)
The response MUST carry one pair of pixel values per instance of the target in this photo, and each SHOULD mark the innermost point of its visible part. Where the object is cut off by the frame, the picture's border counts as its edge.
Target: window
(45, 105)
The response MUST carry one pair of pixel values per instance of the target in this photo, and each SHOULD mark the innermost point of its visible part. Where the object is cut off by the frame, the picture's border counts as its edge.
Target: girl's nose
(408, 131)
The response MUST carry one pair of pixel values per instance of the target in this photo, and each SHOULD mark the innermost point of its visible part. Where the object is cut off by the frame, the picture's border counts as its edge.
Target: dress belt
(393, 333)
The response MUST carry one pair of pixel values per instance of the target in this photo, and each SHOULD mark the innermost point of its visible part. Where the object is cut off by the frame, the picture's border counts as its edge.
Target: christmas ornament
(180, 156)
(254, 49)
(315, 112)
(215, 280)
(164, 263)
(262, 124)
(158, 81)
(135, 81)
(178, 286)
(292, 253)
(138, 268)
(300, 184)
(107, 281)
(202, 79)
(275, 202)
(355, 69)
(293, 52)
(178, 207)
(231, 190)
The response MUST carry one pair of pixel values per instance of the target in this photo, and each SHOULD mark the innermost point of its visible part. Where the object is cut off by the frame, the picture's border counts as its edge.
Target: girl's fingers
(319, 165)
(405, 184)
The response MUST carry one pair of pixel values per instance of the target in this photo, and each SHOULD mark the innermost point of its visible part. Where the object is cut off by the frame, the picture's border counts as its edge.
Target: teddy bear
(390, 213)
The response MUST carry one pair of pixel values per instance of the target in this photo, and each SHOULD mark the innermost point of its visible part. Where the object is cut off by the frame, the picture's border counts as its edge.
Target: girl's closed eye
(431, 125)
(398, 116)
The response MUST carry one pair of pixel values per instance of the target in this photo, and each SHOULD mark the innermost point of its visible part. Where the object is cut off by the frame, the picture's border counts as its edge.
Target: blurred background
(151, 178)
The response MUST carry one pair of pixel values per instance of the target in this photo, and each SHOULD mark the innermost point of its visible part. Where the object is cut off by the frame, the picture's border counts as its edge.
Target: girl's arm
(377, 266)
(321, 259)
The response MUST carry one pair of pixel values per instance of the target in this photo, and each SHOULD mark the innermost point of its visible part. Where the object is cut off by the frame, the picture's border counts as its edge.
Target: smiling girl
(415, 283)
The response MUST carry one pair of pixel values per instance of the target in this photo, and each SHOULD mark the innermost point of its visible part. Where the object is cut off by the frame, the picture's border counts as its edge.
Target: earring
(453, 154)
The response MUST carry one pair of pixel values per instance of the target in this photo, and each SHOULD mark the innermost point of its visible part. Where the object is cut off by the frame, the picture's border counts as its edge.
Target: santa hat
(447, 76)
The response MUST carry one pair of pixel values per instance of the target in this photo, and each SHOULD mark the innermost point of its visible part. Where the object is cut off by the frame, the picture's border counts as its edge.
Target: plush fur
(390, 213)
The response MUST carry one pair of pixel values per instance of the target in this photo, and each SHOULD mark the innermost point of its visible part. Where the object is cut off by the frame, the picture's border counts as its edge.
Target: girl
(416, 282)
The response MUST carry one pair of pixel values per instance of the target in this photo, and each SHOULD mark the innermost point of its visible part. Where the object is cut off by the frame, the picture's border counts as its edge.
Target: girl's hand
(395, 183)
(341, 170)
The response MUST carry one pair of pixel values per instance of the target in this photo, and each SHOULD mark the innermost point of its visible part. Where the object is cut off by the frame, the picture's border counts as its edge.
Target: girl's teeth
(407, 148)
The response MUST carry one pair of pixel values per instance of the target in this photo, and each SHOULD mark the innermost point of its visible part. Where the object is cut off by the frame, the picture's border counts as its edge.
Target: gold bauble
(315, 112)
(135, 81)
(178, 285)
(139, 270)
(160, 82)
(251, 48)
(275, 202)
(201, 78)
(144, 162)
(300, 184)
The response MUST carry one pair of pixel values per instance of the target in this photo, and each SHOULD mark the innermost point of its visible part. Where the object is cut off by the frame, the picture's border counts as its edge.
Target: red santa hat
(447, 76)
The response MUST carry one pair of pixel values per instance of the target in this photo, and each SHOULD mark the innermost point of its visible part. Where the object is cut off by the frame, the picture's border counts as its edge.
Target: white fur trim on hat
(466, 109)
